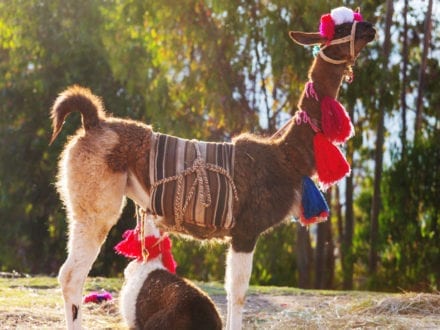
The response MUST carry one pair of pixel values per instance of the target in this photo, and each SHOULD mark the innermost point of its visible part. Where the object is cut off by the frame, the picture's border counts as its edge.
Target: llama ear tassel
(331, 164)
(314, 206)
(336, 123)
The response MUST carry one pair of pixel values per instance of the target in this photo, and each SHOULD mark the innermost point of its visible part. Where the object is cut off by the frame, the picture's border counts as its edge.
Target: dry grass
(422, 304)
(36, 303)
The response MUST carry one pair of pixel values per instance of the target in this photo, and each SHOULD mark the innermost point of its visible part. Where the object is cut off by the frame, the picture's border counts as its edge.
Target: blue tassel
(314, 205)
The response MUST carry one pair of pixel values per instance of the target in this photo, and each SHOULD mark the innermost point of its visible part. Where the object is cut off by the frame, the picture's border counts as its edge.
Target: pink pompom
(331, 164)
(336, 123)
(327, 26)
(358, 17)
(97, 297)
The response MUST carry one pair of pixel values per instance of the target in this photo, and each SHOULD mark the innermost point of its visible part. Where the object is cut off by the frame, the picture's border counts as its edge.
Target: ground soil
(40, 307)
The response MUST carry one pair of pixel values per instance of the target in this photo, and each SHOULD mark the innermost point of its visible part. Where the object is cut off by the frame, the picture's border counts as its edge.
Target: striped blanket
(192, 181)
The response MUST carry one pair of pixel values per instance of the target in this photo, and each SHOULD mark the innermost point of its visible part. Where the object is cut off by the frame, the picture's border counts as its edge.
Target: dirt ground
(39, 306)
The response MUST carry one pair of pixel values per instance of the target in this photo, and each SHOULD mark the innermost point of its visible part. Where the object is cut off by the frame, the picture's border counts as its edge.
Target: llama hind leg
(90, 222)
(238, 273)
(83, 250)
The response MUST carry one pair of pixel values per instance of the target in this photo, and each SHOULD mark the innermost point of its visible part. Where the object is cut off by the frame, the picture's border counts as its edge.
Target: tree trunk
(320, 255)
(422, 71)
(347, 242)
(329, 258)
(304, 257)
(324, 255)
(376, 202)
(347, 228)
(340, 228)
(404, 78)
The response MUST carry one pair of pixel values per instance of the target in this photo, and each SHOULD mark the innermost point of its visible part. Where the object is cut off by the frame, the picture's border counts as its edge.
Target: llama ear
(307, 38)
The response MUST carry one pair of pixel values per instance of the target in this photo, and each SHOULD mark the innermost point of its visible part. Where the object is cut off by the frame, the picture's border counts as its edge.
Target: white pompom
(342, 15)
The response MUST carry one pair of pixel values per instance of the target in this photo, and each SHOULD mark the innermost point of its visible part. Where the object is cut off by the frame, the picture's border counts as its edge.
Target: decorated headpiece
(337, 16)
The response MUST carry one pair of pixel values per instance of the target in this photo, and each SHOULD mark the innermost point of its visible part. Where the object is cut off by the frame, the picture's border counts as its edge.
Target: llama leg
(91, 215)
(238, 273)
(83, 249)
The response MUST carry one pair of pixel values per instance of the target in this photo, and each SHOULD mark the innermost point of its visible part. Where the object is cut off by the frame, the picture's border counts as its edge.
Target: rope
(199, 167)
(351, 38)
(140, 221)
(302, 117)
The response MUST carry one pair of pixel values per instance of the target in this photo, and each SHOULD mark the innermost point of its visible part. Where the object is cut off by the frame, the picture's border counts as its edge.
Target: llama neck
(326, 77)
(297, 141)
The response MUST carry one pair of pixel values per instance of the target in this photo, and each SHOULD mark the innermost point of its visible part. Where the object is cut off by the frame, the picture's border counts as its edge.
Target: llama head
(342, 35)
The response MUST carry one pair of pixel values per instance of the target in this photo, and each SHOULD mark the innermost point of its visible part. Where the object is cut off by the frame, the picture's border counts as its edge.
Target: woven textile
(192, 181)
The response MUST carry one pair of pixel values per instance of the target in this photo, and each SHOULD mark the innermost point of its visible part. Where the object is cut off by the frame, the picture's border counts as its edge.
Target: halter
(350, 38)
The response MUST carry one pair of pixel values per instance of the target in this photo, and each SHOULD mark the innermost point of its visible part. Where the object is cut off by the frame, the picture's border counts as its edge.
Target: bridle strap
(350, 38)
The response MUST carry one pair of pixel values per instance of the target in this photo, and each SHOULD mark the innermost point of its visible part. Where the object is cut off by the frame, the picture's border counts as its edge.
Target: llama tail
(76, 98)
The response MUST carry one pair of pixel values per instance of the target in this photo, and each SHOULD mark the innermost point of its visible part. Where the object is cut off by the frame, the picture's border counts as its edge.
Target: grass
(35, 302)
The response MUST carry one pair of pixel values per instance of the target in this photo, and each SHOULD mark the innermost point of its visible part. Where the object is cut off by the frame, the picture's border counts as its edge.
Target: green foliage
(411, 219)
(208, 70)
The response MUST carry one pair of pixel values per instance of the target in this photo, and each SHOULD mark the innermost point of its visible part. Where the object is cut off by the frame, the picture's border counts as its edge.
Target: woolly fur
(135, 275)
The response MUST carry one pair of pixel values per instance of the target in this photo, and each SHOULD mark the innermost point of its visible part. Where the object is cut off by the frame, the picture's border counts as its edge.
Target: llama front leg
(238, 273)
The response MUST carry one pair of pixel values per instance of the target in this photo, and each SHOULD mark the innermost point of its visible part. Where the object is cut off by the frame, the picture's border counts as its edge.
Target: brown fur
(108, 159)
(167, 301)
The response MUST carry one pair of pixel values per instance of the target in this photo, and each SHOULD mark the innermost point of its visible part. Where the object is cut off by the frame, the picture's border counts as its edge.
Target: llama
(152, 296)
(108, 159)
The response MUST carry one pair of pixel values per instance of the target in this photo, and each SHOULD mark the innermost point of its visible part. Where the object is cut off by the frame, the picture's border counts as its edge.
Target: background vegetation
(210, 70)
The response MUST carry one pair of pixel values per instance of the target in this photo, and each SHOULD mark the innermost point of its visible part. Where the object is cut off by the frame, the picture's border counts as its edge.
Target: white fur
(342, 15)
(135, 192)
(238, 273)
(135, 275)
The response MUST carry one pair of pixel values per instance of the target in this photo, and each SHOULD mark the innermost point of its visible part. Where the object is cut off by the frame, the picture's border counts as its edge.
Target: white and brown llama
(236, 191)
(153, 296)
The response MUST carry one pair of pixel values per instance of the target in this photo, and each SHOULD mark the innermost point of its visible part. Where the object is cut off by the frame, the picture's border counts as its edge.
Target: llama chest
(192, 182)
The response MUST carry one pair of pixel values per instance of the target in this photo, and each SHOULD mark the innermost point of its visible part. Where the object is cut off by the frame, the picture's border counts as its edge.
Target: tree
(422, 70)
(44, 46)
(382, 104)
(404, 88)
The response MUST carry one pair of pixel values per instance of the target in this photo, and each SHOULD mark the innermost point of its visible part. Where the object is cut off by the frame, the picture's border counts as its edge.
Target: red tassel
(130, 246)
(336, 123)
(331, 164)
(307, 222)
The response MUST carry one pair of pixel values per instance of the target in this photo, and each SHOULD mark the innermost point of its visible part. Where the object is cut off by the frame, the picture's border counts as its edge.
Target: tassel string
(302, 117)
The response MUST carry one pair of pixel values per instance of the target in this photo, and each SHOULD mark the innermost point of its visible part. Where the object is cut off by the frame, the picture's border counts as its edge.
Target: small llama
(153, 296)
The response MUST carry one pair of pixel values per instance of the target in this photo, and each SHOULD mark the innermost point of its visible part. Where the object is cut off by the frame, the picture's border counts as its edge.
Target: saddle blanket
(192, 181)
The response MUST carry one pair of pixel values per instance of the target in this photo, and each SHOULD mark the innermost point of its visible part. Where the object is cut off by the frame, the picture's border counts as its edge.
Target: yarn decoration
(331, 164)
(327, 26)
(97, 297)
(336, 124)
(313, 204)
(337, 16)
(131, 247)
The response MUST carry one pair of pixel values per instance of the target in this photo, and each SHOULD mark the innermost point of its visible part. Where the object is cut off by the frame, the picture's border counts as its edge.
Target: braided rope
(140, 222)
